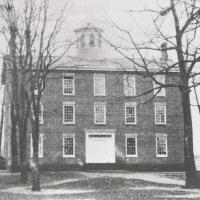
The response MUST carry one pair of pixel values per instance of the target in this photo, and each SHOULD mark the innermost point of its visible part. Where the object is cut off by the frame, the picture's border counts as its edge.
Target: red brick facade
(146, 130)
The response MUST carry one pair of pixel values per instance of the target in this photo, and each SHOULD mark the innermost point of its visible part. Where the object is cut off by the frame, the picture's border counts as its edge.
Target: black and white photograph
(99, 99)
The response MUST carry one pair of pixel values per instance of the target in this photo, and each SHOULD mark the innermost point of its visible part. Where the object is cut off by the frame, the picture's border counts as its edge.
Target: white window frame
(73, 84)
(165, 113)
(95, 118)
(40, 153)
(161, 79)
(166, 145)
(104, 84)
(41, 113)
(136, 144)
(69, 103)
(130, 104)
(65, 135)
(127, 87)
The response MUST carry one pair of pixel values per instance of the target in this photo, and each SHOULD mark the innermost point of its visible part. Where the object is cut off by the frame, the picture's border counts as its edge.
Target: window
(161, 79)
(100, 113)
(129, 85)
(160, 113)
(161, 145)
(131, 145)
(130, 113)
(99, 85)
(68, 145)
(41, 116)
(68, 112)
(92, 40)
(68, 84)
(40, 146)
(82, 40)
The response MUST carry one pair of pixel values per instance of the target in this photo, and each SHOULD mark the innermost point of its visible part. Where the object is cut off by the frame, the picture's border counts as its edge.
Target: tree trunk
(23, 161)
(22, 125)
(14, 144)
(35, 161)
(192, 179)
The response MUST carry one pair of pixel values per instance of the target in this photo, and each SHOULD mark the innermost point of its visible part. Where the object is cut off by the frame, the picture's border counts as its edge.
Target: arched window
(91, 40)
(82, 40)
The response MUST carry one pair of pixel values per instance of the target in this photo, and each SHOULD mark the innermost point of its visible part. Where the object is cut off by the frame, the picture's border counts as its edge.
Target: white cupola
(89, 41)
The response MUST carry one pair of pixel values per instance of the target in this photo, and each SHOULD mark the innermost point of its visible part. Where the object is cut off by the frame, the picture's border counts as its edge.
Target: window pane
(68, 85)
(161, 79)
(99, 85)
(68, 113)
(41, 114)
(130, 114)
(161, 146)
(131, 146)
(129, 85)
(160, 115)
(100, 114)
(68, 146)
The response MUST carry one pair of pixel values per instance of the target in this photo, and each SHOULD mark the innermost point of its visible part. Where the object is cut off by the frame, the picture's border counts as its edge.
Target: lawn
(95, 186)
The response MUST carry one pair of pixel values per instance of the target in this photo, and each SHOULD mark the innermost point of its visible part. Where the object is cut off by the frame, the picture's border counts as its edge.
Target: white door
(100, 148)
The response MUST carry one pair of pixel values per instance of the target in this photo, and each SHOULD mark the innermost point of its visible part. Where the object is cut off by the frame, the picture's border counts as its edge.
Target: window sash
(161, 79)
(68, 85)
(99, 85)
(68, 113)
(129, 85)
(160, 114)
(40, 146)
(130, 114)
(161, 146)
(99, 113)
(68, 146)
(131, 146)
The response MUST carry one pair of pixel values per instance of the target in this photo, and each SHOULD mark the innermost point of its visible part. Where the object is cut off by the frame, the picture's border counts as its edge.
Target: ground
(99, 185)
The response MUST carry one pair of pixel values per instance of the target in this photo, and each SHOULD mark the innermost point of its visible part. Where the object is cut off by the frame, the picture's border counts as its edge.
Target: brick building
(92, 114)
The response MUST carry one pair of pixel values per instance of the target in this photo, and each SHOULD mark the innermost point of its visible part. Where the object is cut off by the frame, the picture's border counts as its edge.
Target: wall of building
(146, 130)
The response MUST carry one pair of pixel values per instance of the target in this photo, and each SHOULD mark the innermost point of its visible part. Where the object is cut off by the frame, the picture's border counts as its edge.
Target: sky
(103, 14)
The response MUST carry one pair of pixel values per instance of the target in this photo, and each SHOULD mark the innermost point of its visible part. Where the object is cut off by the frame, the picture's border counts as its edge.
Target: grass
(98, 188)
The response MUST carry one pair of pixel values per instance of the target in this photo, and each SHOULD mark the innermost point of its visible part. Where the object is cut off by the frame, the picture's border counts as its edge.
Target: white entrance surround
(100, 146)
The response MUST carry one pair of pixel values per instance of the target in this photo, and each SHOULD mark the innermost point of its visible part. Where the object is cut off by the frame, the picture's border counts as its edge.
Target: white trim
(165, 113)
(130, 135)
(126, 76)
(69, 103)
(41, 114)
(166, 146)
(73, 84)
(40, 153)
(130, 104)
(103, 104)
(104, 84)
(65, 135)
(163, 79)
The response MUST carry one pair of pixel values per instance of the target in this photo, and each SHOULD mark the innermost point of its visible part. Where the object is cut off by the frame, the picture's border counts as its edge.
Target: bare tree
(183, 42)
(34, 50)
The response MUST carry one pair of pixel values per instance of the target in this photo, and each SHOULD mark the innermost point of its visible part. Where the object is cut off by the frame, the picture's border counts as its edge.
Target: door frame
(103, 132)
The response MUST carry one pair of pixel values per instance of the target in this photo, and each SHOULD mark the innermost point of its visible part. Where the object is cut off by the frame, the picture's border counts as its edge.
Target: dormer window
(82, 40)
(91, 40)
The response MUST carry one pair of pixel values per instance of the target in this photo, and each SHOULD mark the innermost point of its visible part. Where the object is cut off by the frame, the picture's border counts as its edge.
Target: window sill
(131, 156)
(72, 123)
(68, 156)
(69, 94)
(161, 156)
